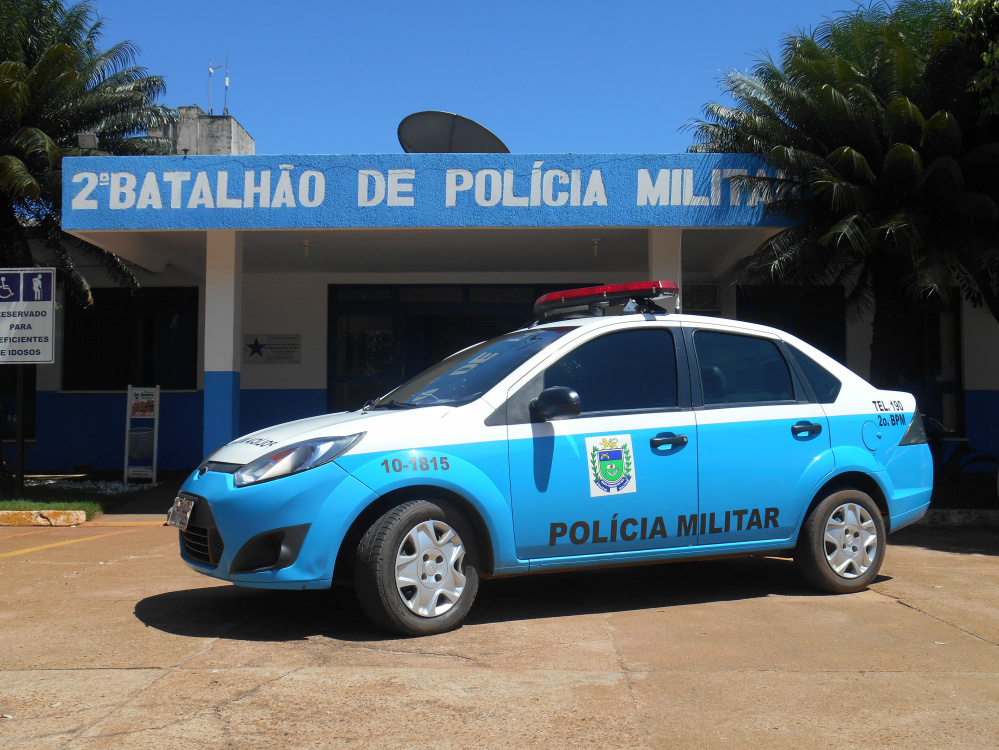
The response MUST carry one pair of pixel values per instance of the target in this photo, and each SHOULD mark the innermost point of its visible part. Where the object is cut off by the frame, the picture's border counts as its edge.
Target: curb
(42, 517)
(960, 517)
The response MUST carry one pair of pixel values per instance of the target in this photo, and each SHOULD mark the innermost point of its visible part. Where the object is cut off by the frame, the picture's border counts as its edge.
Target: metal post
(20, 431)
(128, 430)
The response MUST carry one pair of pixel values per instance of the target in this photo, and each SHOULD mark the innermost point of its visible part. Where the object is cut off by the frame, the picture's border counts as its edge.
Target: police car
(607, 432)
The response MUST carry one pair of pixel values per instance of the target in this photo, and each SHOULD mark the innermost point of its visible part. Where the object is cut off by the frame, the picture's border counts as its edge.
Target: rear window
(737, 369)
(825, 385)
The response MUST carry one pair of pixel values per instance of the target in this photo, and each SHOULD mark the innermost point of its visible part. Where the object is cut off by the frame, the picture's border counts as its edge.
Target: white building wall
(286, 303)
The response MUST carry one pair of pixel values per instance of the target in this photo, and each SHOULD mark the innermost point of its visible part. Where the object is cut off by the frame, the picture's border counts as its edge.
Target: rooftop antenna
(211, 70)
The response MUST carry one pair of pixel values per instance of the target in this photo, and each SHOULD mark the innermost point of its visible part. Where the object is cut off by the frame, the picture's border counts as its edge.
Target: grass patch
(90, 507)
(62, 497)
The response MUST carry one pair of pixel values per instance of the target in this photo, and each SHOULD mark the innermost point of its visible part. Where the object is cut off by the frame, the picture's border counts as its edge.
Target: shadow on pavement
(967, 540)
(151, 500)
(258, 615)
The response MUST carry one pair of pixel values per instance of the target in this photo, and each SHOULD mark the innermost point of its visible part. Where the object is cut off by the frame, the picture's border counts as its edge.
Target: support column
(223, 336)
(664, 259)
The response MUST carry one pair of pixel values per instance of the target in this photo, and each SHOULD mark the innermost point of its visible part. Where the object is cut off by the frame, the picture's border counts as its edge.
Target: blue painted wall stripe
(88, 430)
(263, 408)
(221, 409)
(981, 420)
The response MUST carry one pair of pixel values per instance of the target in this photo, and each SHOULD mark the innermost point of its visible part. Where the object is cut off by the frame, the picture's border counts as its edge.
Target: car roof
(674, 318)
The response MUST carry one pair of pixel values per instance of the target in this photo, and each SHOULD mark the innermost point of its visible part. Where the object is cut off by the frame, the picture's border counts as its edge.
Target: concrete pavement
(109, 641)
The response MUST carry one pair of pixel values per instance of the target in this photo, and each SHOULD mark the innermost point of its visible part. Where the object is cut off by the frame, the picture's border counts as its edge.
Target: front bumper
(279, 534)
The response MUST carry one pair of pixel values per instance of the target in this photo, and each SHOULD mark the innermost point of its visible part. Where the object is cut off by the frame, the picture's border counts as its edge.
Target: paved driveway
(108, 641)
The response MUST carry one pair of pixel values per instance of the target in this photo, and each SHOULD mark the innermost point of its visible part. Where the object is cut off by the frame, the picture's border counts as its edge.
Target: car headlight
(293, 459)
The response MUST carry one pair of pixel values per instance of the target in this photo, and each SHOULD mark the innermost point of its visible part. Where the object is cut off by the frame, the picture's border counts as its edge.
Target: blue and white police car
(607, 432)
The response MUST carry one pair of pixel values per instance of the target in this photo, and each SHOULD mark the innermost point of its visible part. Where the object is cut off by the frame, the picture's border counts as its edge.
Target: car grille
(201, 540)
(203, 545)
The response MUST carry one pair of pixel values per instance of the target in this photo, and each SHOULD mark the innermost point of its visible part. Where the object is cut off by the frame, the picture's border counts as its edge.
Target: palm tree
(889, 198)
(56, 82)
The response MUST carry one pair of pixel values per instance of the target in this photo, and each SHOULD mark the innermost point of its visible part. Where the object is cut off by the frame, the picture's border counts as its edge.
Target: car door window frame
(516, 409)
(802, 394)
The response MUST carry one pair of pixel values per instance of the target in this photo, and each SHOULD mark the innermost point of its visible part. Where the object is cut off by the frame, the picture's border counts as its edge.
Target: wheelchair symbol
(5, 291)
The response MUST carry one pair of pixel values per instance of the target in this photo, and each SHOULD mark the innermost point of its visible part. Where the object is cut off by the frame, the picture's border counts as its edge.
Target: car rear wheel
(842, 543)
(416, 569)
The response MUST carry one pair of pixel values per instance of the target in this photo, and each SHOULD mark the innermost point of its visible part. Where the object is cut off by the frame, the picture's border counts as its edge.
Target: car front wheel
(842, 543)
(416, 570)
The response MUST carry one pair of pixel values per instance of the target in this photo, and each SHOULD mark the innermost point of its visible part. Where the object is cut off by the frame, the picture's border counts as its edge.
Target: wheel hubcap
(850, 540)
(428, 568)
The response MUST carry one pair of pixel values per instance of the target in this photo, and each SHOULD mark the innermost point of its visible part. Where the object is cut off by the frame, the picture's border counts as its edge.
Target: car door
(761, 444)
(617, 477)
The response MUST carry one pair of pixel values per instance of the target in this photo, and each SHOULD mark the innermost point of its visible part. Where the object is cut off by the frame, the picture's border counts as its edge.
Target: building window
(8, 401)
(146, 338)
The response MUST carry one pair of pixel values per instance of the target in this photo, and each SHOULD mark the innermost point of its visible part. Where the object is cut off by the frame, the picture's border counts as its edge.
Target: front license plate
(180, 513)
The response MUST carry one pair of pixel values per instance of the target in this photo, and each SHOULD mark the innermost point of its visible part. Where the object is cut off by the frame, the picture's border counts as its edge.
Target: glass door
(380, 337)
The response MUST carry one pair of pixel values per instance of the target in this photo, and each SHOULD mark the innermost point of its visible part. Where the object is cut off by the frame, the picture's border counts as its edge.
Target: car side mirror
(557, 402)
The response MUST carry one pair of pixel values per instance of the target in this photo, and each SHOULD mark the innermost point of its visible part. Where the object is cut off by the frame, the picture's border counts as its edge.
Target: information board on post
(142, 439)
(27, 315)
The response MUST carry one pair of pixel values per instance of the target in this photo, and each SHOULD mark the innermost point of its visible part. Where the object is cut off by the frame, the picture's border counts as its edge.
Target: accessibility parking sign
(27, 315)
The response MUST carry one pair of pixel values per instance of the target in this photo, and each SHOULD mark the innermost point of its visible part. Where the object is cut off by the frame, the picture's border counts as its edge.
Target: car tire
(842, 543)
(417, 569)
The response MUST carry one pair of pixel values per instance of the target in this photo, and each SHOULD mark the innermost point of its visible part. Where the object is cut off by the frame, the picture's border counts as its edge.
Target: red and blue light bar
(609, 294)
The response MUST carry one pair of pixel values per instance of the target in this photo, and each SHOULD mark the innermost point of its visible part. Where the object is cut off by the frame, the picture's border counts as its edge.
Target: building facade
(278, 287)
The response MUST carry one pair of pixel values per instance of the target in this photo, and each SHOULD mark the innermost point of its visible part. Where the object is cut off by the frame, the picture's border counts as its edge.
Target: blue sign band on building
(411, 190)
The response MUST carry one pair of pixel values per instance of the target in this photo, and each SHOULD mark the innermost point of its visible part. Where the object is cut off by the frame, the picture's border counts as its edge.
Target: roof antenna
(211, 70)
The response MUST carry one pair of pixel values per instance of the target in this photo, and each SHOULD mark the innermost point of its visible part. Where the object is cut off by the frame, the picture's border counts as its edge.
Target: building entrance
(381, 336)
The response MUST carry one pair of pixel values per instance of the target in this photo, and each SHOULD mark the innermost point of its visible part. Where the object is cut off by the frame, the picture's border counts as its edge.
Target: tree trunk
(892, 315)
(990, 298)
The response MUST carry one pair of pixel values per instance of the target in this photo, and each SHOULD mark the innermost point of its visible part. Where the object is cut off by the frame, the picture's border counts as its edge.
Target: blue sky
(337, 77)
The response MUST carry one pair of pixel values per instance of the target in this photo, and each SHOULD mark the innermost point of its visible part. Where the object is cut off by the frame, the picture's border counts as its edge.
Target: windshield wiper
(393, 404)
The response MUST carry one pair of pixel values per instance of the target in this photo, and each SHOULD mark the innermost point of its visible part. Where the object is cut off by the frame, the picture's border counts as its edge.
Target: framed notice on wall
(272, 349)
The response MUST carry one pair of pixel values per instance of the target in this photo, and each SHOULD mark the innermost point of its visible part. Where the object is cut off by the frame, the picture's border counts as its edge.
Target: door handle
(809, 427)
(658, 442)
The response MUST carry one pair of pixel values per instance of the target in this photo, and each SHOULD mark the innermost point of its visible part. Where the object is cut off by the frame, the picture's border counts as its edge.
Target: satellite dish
(447, 133)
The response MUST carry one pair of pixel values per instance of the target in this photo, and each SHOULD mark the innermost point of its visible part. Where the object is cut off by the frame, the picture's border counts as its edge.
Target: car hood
(246, 448)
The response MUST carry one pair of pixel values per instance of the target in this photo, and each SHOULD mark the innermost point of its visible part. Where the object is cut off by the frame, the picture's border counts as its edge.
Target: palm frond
(841, 195)
(942, 134)
(901, 172)
(848, 232)
(849, 162)
(56, 80)
(904, 121)
(16, 180)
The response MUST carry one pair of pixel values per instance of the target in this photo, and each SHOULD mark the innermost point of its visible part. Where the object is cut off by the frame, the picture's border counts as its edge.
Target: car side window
(737, 369)
(825, 385)
(621, 371)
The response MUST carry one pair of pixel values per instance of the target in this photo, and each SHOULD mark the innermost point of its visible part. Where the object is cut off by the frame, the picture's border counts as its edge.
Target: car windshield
(463, 377)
